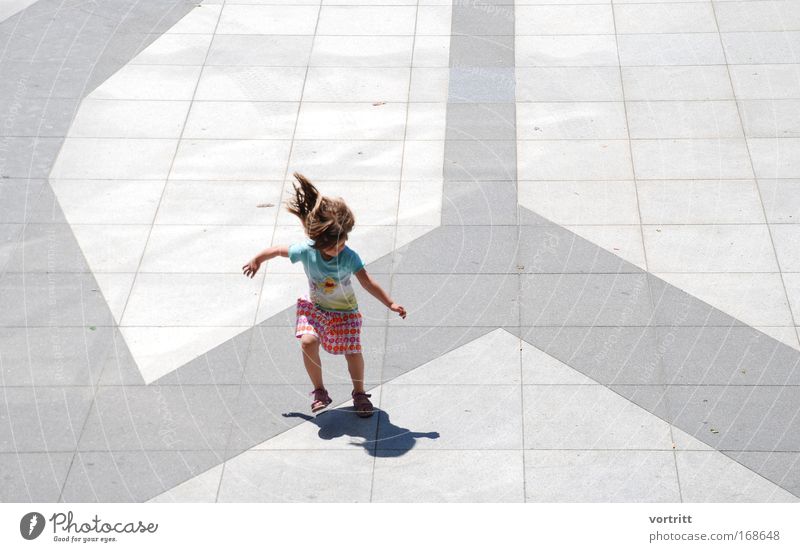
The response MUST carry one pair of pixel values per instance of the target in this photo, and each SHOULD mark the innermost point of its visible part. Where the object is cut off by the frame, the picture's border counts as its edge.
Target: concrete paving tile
(10, 239)
(43, 418)
(588, 417)
(473, 19)
(761, 47)
(350, 121)
(136, 82)
(102, 201)
(112, 158)
(770, 118)
(699, 201)
(606, 355)
(722, 158)
(476, 202)
(551, 249)
(784, 334)
(369, 216)
(480, 85)
(356, 84)
(33, 477)
(781, 199)
(580, 202)
(539, 367)
(230, 159)
(176, 49)
(264, 411)
(584, 300)
(273, 50)
(243, 120)
(202, 19)
(434, 19)
(624, 241)
(42, 79)
(407, 348)
(777, 467)
(741, 417)
(577, 84)
(33, 157)
(219, 202)
(571, 120)
(792, 283)
(775, 158)
(268, 20)
(423, 160)
(101, 245)
(726, 356)
(709, 248)
(765, 82)
(663, 18)
(275, 357)
(677, 83)
(717, 119)
(600, 476)
(652, 398)
(132, 476)
(37, 117)
(199, 420)
(708, 476)
(675, 307)
(129, 119)
(250, 83)
(431, 51)
(473, 417)
(366, 20)
(222, 365)
(566, 50)
(297, 476)
(17, 197)
(757, 299)
(450, 476)
(429, 84)
(46, 208)
(348, 160)
(480, 121)
(429, 298)
(567, 19)
(482, 51)
(670, 49)
(771, 16)
(575, 159)
(426, 121)
(53, 356)
(199, 489)
(362, 51)
(45, 248)
(53, 300)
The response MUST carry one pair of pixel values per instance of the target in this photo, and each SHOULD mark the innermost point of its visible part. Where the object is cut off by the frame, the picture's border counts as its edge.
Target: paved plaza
(590, 210)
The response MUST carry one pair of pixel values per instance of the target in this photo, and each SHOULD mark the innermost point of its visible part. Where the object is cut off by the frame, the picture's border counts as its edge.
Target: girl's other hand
(399, 309)
(251, 268)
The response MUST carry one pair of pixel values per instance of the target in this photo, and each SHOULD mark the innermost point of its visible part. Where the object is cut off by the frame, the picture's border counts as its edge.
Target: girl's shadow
(380, 437)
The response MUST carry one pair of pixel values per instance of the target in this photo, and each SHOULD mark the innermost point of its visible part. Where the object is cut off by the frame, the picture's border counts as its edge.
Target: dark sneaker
(321, 400)
(362, 404)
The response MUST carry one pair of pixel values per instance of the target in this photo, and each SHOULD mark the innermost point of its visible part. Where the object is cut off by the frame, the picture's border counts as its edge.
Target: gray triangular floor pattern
(492, 265)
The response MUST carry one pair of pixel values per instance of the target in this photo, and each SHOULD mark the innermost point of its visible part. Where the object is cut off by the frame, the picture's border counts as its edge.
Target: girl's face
(336, 249)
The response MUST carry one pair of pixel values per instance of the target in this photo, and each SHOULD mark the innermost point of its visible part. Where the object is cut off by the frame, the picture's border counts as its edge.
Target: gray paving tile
(481, 121)
(158, 417)
(275, 357)
(607, 355)
(475, 202)
(53, 299)
(463, 249)
(467, 417)
(53, 356)
(481, 85)
(778, 467)
(16, 198)
(119, 367)
(482, 51)
(584, 300)
(132, 476)
(652, 398)
(37, 117)
(411, 346)
(264, 411)
(450, 476)
(222, 365)
(47, 248)
(456, 299)
(600, 476)
(34, 419)
(10, 236)
(45, 208)
(480, 160)
(733, 355)
(33, 477)
(738, 417)
(548, 248)
(675, 307)
(472, 18)
(33, 157)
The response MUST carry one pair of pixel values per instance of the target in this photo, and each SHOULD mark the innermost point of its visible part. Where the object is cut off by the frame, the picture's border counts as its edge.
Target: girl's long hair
(326, 220)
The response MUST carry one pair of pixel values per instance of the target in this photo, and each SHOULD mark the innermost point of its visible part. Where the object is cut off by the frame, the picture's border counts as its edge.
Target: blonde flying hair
(326, 220)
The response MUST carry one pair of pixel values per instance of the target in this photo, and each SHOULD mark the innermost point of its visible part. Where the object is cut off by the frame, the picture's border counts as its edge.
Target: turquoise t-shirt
(328, 281)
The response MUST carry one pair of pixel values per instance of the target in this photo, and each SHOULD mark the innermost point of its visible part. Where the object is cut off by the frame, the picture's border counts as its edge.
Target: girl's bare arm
(378, 292)
(252, 266)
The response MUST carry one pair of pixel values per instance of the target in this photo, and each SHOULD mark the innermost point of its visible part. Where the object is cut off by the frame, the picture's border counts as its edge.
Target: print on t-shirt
(328, 281)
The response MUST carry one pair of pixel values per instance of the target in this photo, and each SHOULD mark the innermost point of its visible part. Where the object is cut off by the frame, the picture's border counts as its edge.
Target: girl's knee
(308, 341)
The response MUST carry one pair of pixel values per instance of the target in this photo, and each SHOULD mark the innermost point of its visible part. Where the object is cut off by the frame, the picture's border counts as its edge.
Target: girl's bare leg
(310, 346)
(355, 364)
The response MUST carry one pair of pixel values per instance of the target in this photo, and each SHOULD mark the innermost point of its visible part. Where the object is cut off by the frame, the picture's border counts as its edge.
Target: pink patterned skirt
(338, 332)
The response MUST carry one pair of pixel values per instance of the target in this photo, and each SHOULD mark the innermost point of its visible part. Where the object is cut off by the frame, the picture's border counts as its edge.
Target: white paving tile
(571, 120)
(426, 121)
(242, 120)
(202, 19)
(351, 121)
(420, 202)
(540, 368)
(112, 248)
(423, 160)
(761, 16)
(581, 202)
(108, 201)
(697, 119)
(762, 47)
(347, 160)
(431, 51)
(625, 241)
(129, 119)
(665, 18)
(429, 84)
(574, 160)
(792, 283)
(110, 158)
(149, 82)
(280, 291)
(201, 488)
(576, 84)
(723, 158)
(268, 20)
(670, 49)
(770, 118)
(220, 202)
(356, 84)
(677, 83)
(699, 201)
(709, 248)
(366, 20)
(775, 157)
(231, 160)
(567, 19)
(434, 20)
(362, 51)
(566, 50)
(115, 287)
(267, 84)
(766, 82)
(268, 50)
(360, 198)
(175, 49)
(781, 199)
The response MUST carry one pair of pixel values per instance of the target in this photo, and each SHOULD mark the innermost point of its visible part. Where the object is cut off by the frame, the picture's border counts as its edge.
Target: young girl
(329, 315)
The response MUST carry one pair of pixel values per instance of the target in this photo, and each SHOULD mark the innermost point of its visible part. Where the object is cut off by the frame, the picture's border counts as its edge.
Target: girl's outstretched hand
(399, 309)
(251, 268)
